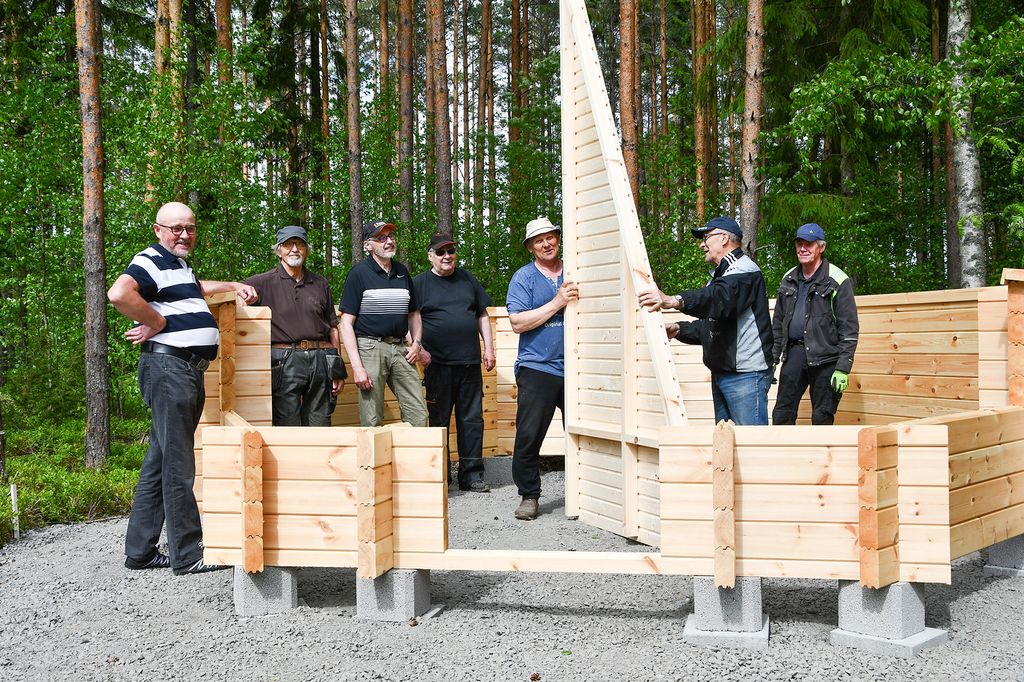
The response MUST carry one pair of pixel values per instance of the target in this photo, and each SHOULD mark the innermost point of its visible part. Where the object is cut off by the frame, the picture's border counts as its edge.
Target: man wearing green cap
(815, 328)
(306, 368)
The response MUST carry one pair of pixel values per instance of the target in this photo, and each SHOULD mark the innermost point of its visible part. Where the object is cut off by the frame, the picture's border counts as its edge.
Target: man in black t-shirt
(378, 309)
(453, 307)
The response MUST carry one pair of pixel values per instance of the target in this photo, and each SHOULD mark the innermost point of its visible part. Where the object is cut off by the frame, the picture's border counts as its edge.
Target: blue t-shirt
(543, 348)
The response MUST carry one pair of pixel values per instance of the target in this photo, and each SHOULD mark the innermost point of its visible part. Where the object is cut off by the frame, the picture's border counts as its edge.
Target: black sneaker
(476, 487)
(158, 561)
(199, 567)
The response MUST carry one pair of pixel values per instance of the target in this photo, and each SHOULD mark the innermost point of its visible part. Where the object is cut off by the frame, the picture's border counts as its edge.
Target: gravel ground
(69, 610)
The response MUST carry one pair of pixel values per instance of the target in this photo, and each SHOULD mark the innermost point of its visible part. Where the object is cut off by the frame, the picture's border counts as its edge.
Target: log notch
(375, 484)
(226, 315)
(723, 498)
(877, 458)
(252, 499)
(1014, 279)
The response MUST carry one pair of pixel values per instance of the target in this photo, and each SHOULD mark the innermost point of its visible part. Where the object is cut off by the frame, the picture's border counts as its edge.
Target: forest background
(898, 125)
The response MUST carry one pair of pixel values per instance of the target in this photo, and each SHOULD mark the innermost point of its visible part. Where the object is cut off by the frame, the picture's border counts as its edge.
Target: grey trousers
(174, 391)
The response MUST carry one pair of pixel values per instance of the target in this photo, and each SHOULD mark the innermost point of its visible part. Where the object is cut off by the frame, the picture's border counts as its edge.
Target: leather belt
(188, 356)
(394, 340)
(303, 345)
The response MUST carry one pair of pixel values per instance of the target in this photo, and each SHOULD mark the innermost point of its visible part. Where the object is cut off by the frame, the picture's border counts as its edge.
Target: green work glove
(840, 380)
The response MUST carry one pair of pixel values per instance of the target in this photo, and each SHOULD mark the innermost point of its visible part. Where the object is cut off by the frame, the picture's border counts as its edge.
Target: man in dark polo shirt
(179, 338)
(306, 367)
(453, 307)
(378, 310)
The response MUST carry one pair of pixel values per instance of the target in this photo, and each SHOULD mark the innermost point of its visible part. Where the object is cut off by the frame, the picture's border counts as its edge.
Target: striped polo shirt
(381, 301)
(167, 283)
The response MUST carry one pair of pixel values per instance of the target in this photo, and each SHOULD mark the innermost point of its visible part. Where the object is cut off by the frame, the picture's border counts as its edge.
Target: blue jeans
(741, 397)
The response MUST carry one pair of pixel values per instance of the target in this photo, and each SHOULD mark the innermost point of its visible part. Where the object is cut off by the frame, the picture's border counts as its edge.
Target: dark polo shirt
(303, 310)
(381, 301)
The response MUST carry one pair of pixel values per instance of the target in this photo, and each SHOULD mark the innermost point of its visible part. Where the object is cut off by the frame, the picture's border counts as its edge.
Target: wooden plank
(420, 535)
(922, 364)
(375, 489)
(924, 544)
(420, 499)
(251, 455)
(285, 531)
(724, 504)
(981, 499)
(958, 342)
(226, 355)
(953, 388)
(959, 319)
(765, 540)
(975, 466)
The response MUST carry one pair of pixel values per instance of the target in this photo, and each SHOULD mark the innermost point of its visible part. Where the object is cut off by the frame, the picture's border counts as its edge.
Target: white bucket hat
(539, 226)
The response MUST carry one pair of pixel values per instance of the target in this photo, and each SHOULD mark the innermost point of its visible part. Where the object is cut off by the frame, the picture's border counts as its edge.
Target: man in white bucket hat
(537, 296)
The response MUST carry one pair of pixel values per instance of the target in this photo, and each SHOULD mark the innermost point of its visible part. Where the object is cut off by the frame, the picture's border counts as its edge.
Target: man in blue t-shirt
(537, 296)
(178, 337)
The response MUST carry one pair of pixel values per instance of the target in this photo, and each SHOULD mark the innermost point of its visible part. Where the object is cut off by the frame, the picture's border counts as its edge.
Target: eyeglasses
(445, 252)
(176, 230)
(390, 236)
(704, 239)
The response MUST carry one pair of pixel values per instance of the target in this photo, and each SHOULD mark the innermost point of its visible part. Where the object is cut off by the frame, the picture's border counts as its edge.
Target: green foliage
(53, 485)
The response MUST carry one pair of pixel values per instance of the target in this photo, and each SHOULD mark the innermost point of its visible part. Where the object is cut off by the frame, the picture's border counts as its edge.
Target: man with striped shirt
(378, 310)
(179, 338)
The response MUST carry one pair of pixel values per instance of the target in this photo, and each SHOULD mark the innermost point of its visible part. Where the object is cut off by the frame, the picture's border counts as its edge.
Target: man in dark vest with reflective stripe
(179, 338)
(815, 328)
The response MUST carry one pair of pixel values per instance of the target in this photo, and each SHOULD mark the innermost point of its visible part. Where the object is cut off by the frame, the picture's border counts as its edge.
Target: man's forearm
(484, 323)
(531, 319)
(348, 337)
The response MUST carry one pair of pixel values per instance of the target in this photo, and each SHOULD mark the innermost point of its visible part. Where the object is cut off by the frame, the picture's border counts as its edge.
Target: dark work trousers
(539, 393)
(461, 387)
(174, 391)
(794, 378)
(301, 386)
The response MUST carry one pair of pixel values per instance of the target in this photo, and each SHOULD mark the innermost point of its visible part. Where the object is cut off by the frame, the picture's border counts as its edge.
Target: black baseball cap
(374, 228)
(439, 240)
(286, 233)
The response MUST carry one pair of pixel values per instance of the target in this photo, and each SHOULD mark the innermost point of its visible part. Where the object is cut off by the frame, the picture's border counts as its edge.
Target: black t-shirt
(381, 301)
(450, 307)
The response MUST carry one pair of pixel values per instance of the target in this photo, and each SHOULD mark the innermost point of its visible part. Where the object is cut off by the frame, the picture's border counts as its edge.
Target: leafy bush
(54, 486)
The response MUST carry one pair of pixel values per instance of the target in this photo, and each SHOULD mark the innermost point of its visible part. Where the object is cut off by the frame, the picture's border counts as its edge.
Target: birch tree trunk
(966, 168)
(97, 367)
(355, 191)
(750, 209)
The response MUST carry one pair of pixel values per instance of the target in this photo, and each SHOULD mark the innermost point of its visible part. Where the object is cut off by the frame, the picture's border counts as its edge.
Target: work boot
(476, 487)
(527, 510)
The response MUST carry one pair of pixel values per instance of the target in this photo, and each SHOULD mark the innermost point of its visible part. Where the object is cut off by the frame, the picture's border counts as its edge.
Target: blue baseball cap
(724, 223)
(811, 232)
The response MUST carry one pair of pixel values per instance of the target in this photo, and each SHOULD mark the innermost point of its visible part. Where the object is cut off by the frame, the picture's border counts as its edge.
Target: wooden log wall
(332, 496)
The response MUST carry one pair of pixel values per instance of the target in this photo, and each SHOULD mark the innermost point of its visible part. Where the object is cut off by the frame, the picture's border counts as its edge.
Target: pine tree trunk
(162, 37)
(701, 143)
(223, 12)
(514, 68)
(967, 170)
(354, 151)
(430, 99)
(385, 54)
(406, 113)
(466, 183)
(751, 150)
(97, 367)
(627, 94)
(316, 115)
(456, 85)
(325, 136)
(442, 122)
(484, 72)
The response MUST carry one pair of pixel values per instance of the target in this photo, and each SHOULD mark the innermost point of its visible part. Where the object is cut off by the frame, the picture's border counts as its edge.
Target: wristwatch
(679, 301)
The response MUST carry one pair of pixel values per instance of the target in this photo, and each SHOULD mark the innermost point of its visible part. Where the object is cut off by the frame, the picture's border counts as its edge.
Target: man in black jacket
(815, 328)
(733, 324)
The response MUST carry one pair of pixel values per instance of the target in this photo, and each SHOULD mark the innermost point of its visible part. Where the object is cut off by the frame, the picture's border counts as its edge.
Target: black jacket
(831, 327)
(734, 326)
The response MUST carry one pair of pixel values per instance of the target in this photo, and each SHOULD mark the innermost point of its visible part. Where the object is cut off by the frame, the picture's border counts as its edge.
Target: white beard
(295, 261)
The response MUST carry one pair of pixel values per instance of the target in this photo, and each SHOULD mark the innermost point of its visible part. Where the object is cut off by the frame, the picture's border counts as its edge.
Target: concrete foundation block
(498, 470)
(908, 647)
(888, 621)
(1006, 558)
(892, 612)
(724, 639)
(736, 609)
(397, 596)
(273, 590)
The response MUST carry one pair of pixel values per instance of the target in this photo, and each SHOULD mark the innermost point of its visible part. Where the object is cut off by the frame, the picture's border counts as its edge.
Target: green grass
(54, 486)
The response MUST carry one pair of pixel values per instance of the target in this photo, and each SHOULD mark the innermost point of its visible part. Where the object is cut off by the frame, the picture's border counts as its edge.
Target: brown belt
(303, 345)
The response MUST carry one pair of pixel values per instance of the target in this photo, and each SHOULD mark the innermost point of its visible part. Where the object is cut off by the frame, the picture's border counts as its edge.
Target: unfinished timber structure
(925, 464)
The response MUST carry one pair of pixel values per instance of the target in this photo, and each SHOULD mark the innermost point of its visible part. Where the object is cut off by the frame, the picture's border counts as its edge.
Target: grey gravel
(70, 610)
